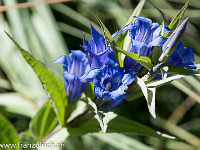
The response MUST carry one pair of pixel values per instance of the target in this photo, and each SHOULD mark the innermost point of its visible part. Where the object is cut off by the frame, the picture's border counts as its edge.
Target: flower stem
(81, 118)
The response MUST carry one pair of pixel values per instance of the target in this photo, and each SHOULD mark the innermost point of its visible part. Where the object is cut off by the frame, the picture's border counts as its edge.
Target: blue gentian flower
(182, 57)
(110, 83)
(96, 50)
(75, 66)
(144, 34)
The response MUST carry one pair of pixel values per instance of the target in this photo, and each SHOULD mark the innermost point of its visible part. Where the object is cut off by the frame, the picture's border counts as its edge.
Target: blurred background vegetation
(51, 30)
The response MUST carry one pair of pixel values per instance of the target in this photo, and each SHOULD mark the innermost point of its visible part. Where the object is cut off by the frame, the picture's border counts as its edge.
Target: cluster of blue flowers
(99, 65)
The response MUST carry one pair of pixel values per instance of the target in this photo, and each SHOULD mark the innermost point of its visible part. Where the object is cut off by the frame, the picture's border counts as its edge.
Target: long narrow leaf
(178, 16)
(117, 125)
(179, 70)
(110, 41)
(52, 84)
(143, 60)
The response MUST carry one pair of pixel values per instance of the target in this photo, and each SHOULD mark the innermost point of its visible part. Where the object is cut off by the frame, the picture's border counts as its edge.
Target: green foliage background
(49, 31)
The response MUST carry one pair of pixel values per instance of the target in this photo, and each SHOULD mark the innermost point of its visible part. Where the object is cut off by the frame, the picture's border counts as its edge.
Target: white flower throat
(108, 85)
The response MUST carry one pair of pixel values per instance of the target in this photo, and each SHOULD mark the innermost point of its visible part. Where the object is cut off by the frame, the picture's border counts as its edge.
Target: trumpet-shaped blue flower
(144, 34)
(110, 83)
(75, 66)
(96, 50)
(182, 57)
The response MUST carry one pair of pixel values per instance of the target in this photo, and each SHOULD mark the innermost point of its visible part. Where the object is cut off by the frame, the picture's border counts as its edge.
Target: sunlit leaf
(103, 118)
(51, 83)
(119, 39)
(117, 125)
(89, 90)
(143, 60)
(178, 15)
(149, 94)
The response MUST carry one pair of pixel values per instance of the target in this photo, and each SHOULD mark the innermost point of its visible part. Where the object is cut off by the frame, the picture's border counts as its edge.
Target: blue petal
(156, 33)
(115, 34)
(110, 84)
(93, 59)
(96, 51)
(74, 89)
(127, 79)
(90, 75)
(143, 26)
(126, 27)
(104, 56)
(75, 66)
(79, 63)
(99, 40)
(98, 91)
(68, 76)
(182, 57)
(119, 94)
(159, 41)
(61, 60)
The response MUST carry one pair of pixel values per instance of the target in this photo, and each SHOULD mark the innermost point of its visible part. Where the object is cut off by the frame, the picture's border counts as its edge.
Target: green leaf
(134, 96)
(44, 122)
(117, 125)
(162, 29)
(149, 94)
(103, 118)
(119, 39)
(51, 83)
(8, 134)
(179, 70)
(178, 16)
(156, 54)
(110, 41)
(133, 93)
(143, 60)
(89, 90)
